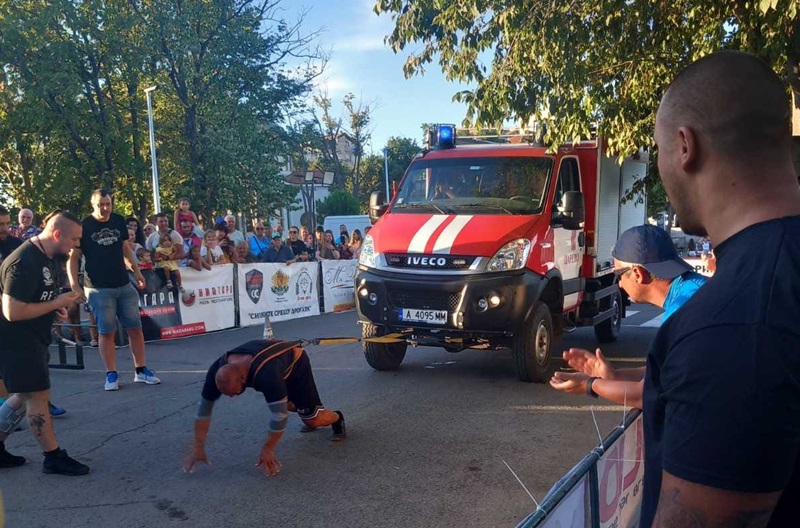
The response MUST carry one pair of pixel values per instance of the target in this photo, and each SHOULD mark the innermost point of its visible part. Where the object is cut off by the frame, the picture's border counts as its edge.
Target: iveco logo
(427, 261)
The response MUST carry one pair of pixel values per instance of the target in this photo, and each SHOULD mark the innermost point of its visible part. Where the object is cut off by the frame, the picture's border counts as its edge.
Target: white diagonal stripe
(655, 322)
(420, 240)
(444, 243)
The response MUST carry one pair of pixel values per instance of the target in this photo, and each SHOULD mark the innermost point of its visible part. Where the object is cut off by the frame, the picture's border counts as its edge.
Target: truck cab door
(568, 237)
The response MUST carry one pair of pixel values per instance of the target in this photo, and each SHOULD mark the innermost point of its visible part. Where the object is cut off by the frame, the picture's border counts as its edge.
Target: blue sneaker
(146, 376)
(112, 381)
(56, 411)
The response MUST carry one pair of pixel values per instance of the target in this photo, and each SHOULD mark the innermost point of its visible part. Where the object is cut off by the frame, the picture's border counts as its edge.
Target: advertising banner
(699, 266)
(208, 303)
(158, 306)
(571, 512)
(338, 285)
(277, 291)
(621, 473)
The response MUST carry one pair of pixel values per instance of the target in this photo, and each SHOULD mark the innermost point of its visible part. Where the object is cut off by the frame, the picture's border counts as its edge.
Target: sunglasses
(259, 229)
(292, 232)
(622, 271)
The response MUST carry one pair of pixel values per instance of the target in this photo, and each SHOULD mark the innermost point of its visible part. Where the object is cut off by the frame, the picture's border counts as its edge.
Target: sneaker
(55, 410)
(7, 460)
(146, 376)
(93, 343)
(60, 463)
(112, 381)
(339, 430)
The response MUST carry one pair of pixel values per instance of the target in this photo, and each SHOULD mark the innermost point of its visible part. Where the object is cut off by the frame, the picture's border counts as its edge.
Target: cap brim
(669, 269)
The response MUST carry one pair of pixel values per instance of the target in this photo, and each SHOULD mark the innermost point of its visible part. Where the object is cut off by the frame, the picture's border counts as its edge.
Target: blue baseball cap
(651, 247)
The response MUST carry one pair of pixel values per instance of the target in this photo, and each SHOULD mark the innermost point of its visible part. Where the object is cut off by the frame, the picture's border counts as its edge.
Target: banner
(277, 291)
(699, 266)
(571, 512)
(621, 473)
(338, 285)
(208, 303)
(158, 306)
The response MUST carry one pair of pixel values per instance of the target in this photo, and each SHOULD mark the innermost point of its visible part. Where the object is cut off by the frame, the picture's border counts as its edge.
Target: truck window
(569, 179)
(490, 185)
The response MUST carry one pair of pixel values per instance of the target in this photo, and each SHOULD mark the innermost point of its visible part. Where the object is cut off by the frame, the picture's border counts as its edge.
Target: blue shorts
(108, 304)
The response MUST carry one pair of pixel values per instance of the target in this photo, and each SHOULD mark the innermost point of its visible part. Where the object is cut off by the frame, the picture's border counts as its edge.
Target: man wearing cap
(279, 252)
(649, 270)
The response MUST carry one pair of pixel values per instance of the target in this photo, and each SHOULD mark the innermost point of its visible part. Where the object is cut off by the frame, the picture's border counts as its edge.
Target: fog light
(494, 300)
(363, 292)
(373, 299)
(482, 304)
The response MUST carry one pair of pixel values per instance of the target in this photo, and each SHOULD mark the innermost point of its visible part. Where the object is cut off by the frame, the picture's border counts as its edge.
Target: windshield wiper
(423, 205)
(484, 206)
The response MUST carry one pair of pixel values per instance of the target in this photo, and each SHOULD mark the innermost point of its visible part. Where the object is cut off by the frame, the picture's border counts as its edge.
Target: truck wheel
(382, 356)
(532, 348)
(608, 330)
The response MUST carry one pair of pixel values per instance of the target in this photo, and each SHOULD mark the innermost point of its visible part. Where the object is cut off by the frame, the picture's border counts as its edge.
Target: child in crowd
(196, 260)
(165, 250)
(211, 252)
(184, 213)
(145, 260)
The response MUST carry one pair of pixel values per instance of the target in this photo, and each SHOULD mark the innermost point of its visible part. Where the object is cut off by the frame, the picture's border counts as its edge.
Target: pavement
(425, 447)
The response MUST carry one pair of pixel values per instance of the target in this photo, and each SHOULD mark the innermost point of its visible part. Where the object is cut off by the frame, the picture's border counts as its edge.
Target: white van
(352, 222)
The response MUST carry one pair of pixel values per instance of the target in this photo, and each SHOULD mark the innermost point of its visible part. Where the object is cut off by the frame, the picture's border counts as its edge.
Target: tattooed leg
(39, 420)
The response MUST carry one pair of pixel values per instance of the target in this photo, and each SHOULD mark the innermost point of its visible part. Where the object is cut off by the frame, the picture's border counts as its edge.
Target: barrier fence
(604, 490)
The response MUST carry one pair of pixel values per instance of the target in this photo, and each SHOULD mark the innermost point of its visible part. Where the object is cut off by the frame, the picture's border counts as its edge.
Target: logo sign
(304, 287)
(254, 283)
(280, 283)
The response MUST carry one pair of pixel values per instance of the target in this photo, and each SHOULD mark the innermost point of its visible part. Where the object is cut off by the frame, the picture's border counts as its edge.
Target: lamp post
(156, 193)
(386, 171)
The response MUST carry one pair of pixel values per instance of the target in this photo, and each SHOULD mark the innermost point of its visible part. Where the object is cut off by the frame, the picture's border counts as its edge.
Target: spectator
(234, 234)
(165, 251)
(211, 252)
(327, 249)
(308, 240)
(279, 252)
(140, 237)
(184, 213)
(148, 230)
(108, 288)
(298, 247)
(260, 242)
(195, 259)
(25, 229)
(243, 252)
(132, 244)
(279, 230)
(144, 259)
(319, 239)
(303, 233)
(226, 244)
(355, 243)
(367, 230)
(722, 389)
(190, 239)
(162, 228)
(8, 242)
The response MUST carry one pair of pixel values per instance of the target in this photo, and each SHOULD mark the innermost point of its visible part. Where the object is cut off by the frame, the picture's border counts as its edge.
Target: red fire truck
(496, 245)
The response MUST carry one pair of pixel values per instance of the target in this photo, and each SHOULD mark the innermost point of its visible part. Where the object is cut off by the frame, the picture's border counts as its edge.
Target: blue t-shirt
(683, 287)
(722, 388)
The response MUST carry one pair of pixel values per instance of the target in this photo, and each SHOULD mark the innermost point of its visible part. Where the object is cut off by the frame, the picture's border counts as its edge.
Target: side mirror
(377, 205)
(572, 211)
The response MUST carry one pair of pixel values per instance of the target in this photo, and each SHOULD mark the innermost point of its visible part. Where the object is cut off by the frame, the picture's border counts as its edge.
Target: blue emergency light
(440, 137)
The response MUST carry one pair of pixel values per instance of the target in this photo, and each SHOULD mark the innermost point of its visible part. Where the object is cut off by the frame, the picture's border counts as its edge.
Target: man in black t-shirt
(299, 248)
(722, 389)
(30, 288)
(279, 370)
(109, 291)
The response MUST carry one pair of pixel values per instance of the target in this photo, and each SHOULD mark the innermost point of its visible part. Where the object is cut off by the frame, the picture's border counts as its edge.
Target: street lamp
(386, 171)
(156, 194)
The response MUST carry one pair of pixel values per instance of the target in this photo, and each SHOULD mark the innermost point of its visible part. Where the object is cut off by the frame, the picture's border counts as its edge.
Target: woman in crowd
(355, 243)
(327, 250)
(139, 236)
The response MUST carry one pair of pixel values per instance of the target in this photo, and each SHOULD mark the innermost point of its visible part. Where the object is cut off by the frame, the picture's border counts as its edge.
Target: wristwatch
(589, 390)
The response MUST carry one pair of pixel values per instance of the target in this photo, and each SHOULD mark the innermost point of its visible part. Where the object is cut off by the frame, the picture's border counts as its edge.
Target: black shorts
(301, 389)
(25, 370)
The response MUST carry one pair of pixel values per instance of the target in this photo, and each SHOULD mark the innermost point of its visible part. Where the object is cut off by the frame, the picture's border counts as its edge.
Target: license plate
(413, 315)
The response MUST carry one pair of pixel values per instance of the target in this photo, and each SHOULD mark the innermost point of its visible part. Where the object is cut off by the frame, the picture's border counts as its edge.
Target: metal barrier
(554, 508)
(62, 343)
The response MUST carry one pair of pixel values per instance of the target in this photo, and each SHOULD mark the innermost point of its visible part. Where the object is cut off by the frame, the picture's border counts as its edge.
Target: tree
(400, 152)
(584, 66)
(372, 177)
(358, 117)
(337, 203)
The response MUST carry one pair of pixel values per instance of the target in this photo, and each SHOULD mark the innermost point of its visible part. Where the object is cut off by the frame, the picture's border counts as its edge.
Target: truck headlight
(512, 256)
(369, 257)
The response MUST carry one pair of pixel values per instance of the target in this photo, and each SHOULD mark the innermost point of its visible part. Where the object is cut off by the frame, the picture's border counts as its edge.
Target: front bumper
(462, 296)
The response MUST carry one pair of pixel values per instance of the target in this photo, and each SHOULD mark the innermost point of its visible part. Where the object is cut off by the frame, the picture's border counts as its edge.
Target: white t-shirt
(237, 236)
(152, 240)
(216, 253)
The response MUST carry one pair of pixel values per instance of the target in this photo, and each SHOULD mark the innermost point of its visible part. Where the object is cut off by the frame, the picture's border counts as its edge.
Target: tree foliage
(338, 202)
(581, 66)
(73, 112)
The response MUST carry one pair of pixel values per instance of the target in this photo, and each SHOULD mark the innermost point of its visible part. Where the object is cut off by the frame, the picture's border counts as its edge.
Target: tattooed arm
(689, 505)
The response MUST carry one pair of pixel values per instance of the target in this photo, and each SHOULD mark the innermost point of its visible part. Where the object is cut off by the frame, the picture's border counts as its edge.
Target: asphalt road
(425, 445)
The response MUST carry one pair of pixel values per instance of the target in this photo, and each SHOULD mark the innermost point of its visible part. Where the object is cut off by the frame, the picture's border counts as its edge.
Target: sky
(362, 64)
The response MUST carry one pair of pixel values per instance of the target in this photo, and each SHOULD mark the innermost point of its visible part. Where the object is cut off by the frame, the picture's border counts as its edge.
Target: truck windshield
(489, 185)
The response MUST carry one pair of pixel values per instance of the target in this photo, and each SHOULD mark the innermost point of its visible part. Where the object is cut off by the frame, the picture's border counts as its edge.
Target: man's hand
(269, 461)
(61, 315)
(140, 282)
(79, 293)
(196, 456)
(594, 365)
(570, 382)
(66, 299)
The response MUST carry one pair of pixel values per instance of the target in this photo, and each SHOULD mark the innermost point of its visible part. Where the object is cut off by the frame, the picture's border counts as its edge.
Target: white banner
(699, 266)
(279, 291)
(338, 285)
(208, 303)
(620, 472)
(571, 510)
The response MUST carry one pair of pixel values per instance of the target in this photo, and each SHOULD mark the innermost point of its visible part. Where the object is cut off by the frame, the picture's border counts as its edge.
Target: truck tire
(382, 356)
(532, 349)
(608, 330)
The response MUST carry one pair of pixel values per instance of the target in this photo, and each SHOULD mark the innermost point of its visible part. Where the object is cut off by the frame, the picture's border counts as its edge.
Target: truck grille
(436, 262)
(427, 300)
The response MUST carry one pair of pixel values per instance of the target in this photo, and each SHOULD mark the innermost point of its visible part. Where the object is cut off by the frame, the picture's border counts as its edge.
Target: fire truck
(501, 245)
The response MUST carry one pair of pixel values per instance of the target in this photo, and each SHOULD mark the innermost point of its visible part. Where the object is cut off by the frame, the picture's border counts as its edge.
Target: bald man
(722, 388)
(30, 302)
(25, 229)
(281, 371)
